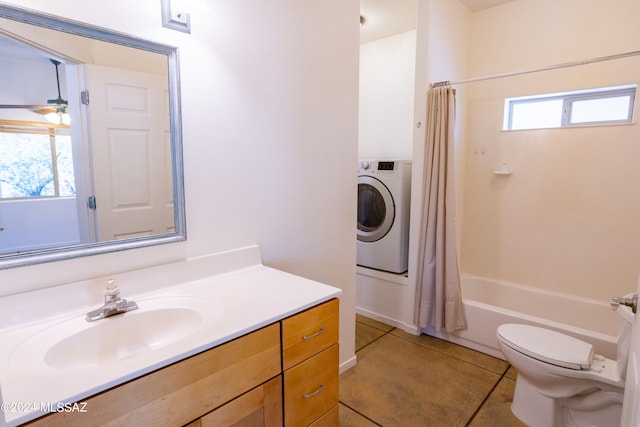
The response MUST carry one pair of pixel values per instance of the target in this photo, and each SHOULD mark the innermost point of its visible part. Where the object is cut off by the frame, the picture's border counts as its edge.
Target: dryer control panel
(377, 165)
(386, 166)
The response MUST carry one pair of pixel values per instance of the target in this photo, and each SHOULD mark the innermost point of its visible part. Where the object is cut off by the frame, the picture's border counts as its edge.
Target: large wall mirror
(90, 140)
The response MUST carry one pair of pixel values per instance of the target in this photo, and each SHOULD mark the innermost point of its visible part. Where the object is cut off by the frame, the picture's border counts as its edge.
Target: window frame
(568, 99)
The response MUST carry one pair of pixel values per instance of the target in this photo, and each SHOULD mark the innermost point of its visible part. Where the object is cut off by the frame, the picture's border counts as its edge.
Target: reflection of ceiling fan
(55, 110)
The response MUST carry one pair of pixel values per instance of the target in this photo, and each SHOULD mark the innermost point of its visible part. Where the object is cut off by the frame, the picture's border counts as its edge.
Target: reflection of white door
(631, 406)
(130, 144)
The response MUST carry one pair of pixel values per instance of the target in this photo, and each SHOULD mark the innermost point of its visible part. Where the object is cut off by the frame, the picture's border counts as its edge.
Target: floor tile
(397, 382)
(496, 411)
(477, 358)
(511, 373)
(373, 323)
(366, 334)
(350, 418)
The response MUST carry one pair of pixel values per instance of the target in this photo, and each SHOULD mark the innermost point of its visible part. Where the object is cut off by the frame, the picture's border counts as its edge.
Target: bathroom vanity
(228, 345)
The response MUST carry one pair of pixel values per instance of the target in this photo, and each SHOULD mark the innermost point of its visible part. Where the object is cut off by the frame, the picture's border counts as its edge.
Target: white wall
(270, 105)
(387, 86)
(37, 224)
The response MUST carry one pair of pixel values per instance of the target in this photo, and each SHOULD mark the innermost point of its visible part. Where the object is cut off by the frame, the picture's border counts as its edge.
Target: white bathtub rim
(578, 311)
(535, 290)
(479, 338)
(546, 323)
(484, 318)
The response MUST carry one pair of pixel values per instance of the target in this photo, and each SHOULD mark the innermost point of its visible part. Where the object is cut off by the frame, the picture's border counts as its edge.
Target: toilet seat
(547, 346)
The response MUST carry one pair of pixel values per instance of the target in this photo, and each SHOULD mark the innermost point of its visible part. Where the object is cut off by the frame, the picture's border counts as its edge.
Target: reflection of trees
(26, 178)
(64, 159)
(26, 165)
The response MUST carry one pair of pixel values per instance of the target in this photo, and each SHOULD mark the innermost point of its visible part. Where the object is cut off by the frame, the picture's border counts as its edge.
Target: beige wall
(568, 218)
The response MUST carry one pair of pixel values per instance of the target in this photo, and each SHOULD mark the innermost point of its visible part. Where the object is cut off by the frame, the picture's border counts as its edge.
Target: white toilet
(561, 381)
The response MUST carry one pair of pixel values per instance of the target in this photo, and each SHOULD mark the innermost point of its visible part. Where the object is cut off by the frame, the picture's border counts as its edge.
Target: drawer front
(178, 393)
(309, 332)
(329, 419)
(311, 388)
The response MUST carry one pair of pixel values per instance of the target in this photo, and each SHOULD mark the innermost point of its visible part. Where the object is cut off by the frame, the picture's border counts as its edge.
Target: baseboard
(482, 348)
(348, 364)
(414, 330)
(411, 329)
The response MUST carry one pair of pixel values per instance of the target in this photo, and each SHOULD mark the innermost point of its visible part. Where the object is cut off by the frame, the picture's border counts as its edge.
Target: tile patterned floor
(406, 380)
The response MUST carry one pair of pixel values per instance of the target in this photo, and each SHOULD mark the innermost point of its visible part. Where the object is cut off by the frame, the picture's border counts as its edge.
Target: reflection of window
(597, 106)
(35, 161)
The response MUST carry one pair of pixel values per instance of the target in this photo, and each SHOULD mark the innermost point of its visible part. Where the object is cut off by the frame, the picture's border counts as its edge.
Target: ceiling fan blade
(30, 107)
(44, 110)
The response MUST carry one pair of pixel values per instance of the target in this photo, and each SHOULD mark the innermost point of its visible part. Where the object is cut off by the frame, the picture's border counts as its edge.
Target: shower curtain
(438, 298)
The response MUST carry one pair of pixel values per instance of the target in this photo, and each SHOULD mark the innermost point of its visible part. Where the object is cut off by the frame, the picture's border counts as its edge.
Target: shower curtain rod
(537, 70)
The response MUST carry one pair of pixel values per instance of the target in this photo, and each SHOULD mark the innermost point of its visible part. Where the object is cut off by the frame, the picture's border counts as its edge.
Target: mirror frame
(57, 23)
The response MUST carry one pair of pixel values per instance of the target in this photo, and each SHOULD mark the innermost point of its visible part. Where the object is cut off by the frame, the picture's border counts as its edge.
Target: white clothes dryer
(384, 192)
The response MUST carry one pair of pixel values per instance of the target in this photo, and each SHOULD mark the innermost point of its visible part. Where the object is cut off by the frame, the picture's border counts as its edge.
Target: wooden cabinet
(310, 363)
(261, 406)
(179, 393)
(285, 372)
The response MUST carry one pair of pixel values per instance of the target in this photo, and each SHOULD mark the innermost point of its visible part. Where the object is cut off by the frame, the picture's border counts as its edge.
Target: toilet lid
(546, 345)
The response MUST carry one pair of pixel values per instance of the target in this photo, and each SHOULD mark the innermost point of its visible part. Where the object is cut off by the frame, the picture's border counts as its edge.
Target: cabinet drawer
(311, 388)
(178, 393)
(309, 332)
(330, 419)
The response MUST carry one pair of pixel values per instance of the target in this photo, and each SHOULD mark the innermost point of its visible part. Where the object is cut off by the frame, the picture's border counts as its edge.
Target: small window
(36, 161)
(589, 107)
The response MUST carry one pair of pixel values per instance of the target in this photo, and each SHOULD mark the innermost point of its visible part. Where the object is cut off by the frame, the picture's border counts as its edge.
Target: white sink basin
(122, 336)
(75, 343)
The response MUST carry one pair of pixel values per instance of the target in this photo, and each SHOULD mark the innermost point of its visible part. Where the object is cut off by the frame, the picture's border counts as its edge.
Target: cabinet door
(261, 406)
(309, 332)
(311, 388)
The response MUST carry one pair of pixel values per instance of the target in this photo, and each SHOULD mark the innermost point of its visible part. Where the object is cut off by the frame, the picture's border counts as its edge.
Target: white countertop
(236, 302)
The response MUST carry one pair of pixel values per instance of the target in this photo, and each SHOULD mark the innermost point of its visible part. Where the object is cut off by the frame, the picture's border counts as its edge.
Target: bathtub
(489, 303)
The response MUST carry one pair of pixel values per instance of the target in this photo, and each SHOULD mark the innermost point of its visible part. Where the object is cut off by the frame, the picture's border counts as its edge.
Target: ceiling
(476, 5)
(15, 52)
(384, 18)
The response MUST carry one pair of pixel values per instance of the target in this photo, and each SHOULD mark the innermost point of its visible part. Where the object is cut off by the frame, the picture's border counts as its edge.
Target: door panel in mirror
(130, 121)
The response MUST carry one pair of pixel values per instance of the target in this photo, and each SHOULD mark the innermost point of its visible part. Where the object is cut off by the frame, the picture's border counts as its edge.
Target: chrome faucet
(113, 304)
(631, 301)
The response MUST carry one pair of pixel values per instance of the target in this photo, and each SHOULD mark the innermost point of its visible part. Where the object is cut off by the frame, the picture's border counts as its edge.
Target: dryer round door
(376, 209)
